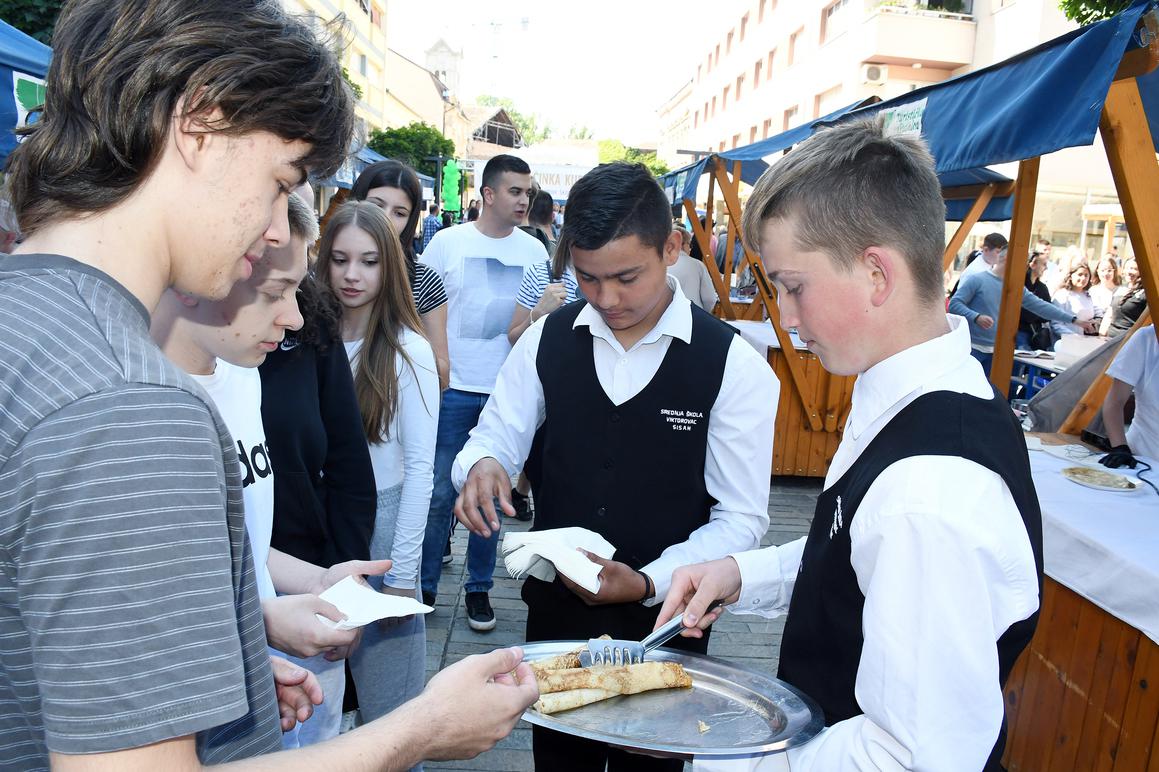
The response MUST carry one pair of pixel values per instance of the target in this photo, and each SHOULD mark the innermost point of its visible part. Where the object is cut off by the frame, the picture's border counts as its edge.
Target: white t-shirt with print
(1137, 363)
(481, 276)
(237, 393)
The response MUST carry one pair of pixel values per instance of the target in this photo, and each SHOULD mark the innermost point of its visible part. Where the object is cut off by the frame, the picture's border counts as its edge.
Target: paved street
(751, 641)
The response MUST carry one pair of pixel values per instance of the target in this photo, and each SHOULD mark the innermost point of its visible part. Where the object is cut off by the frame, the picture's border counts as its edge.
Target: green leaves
(412, 144)
(32, 17)
(1089, 11)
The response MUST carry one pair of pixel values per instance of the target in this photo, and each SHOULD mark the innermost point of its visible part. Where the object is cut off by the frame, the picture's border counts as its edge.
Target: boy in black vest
(918, 585)
(656, 425)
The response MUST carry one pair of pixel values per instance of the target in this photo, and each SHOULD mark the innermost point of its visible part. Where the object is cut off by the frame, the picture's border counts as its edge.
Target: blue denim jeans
(457, 417)
(985, 357)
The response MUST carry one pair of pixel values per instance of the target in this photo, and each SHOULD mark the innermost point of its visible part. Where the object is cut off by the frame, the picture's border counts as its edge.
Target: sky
(604, 64)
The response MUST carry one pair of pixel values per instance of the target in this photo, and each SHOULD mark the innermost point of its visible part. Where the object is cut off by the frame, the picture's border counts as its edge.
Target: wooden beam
(1142, 60)
(1014, 278)
(765, 289)
(1092, 401)
(1131, 153)
(702, 236)
(972, 217)
(730, 237)
(973, 191)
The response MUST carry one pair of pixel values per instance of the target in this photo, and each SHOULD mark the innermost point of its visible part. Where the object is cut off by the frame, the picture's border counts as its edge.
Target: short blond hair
(850, 187)
(303, 223)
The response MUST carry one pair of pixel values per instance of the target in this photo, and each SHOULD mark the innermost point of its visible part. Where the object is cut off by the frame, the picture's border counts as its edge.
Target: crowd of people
(212, 411)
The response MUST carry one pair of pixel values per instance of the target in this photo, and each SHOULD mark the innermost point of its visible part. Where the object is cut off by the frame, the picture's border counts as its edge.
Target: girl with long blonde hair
(397, 386)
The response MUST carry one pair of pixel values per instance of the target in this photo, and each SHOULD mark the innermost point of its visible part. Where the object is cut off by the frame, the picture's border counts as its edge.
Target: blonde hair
(392, 311)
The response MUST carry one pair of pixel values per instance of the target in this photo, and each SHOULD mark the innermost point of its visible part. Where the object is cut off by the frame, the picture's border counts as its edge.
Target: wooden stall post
(702, 236)
(1014, 278)
(972, 217)
(1131, 153)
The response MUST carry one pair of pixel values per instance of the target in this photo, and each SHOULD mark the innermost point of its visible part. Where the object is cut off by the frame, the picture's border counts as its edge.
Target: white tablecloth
(1103, 545)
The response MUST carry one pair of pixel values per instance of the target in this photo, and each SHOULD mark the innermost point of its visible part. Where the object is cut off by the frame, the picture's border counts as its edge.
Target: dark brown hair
(392, 174)
(375, 377)
(120, 69)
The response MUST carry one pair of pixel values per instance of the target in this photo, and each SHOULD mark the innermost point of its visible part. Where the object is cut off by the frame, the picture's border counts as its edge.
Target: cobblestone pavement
(751, 641)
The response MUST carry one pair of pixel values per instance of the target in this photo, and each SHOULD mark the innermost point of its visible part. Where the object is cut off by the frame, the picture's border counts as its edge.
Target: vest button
(608, 464)
(614, 418)
(601, 511)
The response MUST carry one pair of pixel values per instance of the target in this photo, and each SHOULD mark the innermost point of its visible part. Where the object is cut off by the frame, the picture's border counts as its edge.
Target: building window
(790, 118)
(739, 83)
(793, 46)
(709, 62)
(752, 135)
(757, 73)
(362, 64)
(834, 20)
(706, 110)
(766, 128)
(699, 69)
(744, 23)
(376, 16)
(735, 140)
(724, 100)
(728, 43)
(772, 61)
(827, 101)
(696, 119)
(722, 146)
(718, 54)
(761, 12)
(714, 107)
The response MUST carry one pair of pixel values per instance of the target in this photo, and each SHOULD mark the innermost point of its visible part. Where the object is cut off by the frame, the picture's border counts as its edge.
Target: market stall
(23, 65)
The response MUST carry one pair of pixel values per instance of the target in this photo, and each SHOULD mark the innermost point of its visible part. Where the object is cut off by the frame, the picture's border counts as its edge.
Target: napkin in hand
(543, 553)
(362, 605)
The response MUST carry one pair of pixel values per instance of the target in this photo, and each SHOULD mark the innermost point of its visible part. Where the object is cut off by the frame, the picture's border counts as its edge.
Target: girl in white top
(397, 384)
(1108, 287)
(1074, 297)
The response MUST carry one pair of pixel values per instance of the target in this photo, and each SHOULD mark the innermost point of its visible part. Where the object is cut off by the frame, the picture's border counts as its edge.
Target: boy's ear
(193, 133)
(881, 266)
(672, 247)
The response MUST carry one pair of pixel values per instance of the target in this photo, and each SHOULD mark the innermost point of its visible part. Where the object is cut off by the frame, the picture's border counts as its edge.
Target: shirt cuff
(467, 458)
(761, 589)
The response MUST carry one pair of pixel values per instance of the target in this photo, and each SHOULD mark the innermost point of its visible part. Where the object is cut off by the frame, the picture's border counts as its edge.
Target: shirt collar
(675, 322)
(882, 386)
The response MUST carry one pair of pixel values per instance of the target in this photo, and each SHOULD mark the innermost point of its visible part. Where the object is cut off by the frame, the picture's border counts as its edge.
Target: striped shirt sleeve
(532, 285)
(124, 571)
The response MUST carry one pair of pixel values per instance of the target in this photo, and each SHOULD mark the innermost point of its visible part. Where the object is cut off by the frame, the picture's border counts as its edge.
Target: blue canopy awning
(355, 164)
(19, 55)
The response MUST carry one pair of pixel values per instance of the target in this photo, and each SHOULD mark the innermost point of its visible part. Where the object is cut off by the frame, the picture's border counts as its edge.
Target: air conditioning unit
(873, 74)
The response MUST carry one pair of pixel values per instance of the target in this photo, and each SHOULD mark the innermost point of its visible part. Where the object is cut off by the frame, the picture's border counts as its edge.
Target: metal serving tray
(746, 711)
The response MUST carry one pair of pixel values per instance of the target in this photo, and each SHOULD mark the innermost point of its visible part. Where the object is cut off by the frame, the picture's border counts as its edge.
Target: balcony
(937, 34)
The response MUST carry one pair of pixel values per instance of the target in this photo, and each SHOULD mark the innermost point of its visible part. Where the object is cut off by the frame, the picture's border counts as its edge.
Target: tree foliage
(354, 87)
(528, 125)
(36, 18)
(615, 150)
(412, 144)
(579, 132)
(1089, 11)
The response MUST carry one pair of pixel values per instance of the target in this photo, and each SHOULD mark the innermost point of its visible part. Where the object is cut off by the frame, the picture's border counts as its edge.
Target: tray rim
(811, 729)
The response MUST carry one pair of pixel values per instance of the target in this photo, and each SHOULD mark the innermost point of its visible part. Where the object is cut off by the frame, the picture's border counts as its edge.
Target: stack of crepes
(564, 685)
(543, 553)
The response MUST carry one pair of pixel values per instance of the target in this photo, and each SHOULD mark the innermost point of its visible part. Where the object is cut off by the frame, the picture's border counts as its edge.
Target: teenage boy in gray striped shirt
(130, 628)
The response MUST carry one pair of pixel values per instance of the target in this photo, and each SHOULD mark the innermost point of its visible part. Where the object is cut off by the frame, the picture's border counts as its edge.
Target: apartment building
(770, 65)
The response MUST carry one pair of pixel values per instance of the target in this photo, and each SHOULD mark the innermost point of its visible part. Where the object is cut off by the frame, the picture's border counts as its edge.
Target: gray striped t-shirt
(128, 608)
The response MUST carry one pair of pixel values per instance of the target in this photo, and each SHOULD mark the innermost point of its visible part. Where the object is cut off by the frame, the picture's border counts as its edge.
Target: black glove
(1120, 455)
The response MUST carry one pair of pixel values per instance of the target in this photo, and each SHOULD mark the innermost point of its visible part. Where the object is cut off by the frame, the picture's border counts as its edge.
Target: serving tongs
(613, 651)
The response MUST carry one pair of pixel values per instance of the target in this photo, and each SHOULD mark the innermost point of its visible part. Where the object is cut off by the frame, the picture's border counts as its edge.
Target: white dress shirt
(737, 466)
(943, 559)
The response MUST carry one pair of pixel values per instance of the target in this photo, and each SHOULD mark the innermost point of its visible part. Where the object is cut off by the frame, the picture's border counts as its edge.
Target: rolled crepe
(561, 701)
(561, 661)
(625, 679)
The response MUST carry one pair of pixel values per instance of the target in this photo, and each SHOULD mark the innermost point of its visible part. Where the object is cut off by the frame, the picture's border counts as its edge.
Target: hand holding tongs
(604, 651)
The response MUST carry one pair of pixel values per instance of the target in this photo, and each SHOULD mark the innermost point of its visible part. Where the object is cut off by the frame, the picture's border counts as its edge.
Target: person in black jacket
(1033, 331)
(324, 495)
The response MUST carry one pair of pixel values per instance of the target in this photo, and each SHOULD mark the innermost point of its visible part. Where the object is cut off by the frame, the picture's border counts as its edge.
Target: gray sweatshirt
(981, 293)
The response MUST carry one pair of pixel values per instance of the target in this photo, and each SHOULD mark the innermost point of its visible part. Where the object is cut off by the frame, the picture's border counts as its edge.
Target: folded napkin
(542, 553)
(363, 605)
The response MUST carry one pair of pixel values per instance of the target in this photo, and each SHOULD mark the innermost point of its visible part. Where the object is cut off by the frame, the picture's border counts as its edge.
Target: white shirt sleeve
(944, 575)
(767, 577)
(416, 425)
(513, 412)
(737, 467)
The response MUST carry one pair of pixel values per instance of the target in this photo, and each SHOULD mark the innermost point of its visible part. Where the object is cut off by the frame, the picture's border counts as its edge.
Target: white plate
(1087, 484)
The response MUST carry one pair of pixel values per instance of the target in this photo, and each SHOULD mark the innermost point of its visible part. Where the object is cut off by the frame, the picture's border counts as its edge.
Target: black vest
(633, 473)
(821, 647)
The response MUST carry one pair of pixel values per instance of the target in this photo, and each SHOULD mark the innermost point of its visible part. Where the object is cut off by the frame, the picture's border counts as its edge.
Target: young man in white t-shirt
(481, 264)
(220, 344)
(1135, 369)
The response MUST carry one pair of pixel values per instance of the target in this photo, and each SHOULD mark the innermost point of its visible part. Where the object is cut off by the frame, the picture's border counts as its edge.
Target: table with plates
(1085, 694)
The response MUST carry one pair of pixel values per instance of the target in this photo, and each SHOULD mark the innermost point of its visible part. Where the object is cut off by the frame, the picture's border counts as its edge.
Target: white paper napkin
(363, 605)
(542, 553)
